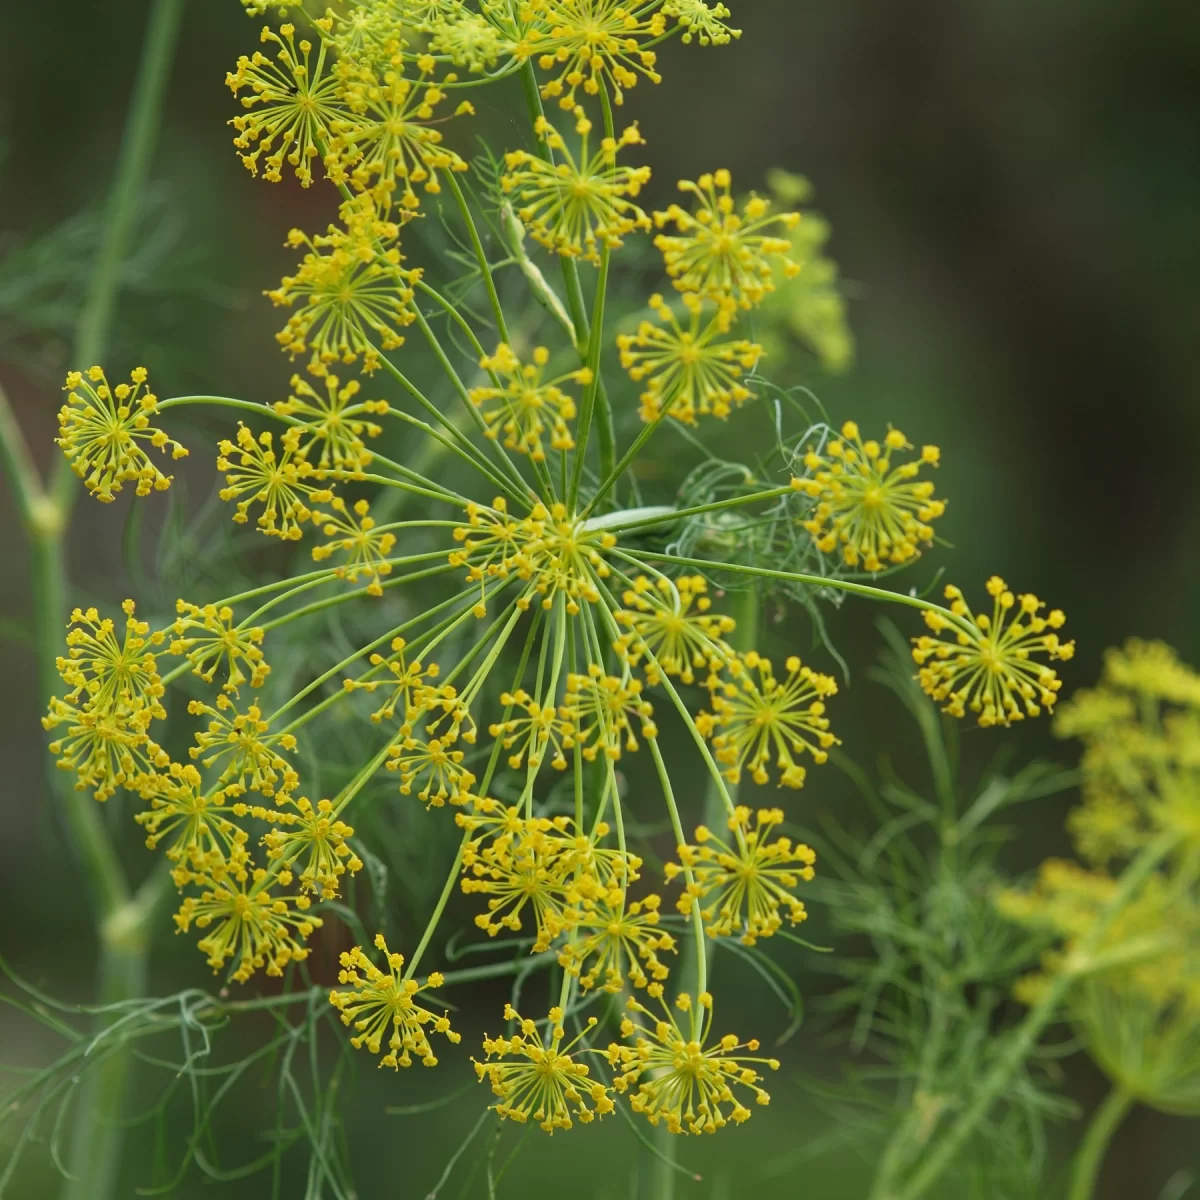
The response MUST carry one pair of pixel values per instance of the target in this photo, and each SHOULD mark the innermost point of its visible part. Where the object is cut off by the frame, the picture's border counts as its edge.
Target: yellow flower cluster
(542, 864)
(555, 554)
(670, 630)
(618, 945)
(748, 880)
(101, 749)
(702, 21)
(366, 546)
(201, 827)
(988, 669)
(527, 408)
(247, 922)
(283, 481)
(289, 100)
(311, 843)
(1149, 949)
(331, 423)
(756, 717)
(114, 695)
(688, 372)
(432, 718)
(595, 44)
(468, 39)
(1140, 729)
(678, 1077)
(412, 688)
(351, 294)
(601, 709)
(722, 261)
(208, 638)
(111, 673)
(102, 430)
(544, 1083)
(392, 138)
(383, 1004)
(576, 204)
(872, 508)
(719, 253)
(102, 725)
(241, 741)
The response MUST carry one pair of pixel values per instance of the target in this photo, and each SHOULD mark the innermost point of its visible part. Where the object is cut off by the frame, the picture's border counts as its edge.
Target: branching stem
(97, 1136)
(485, 269)
(664, 1169)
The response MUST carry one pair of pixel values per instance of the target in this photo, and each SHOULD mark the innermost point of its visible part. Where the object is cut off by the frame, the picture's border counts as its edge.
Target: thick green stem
(1090, 1156)
(609, 481)
(635, 519)
(97, 1137)
(22, 474)
(84, 820)
(605, 431)
(94, 1151)
(590, 405)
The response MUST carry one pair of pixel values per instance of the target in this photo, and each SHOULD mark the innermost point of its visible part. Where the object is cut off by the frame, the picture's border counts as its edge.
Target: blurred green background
(1014, 188)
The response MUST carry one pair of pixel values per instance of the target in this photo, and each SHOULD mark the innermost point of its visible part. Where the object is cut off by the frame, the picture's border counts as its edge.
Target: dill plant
(970, 989)
(517, 613)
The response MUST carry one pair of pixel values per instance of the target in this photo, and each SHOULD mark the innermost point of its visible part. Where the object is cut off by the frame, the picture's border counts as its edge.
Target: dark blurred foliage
(1014, 189)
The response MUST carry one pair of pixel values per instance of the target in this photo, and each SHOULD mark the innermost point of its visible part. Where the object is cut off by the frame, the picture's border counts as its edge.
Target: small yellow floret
(384, 1004)
(869, 506)
(756, 717)
(101, 431)
(746, 880)
(594, 44)
(720, 253)
(545, 1083)
(575, 205)
(680, 1079)
(989, 668)
(690, 371)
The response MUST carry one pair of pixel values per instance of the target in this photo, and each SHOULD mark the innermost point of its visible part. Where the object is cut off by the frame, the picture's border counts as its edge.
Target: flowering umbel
(516, 605)
(544, 1083)
(988, 668)
(744, 884)
(688, 372)
(105, 432)
(676, 1076)
(719, 253)
(351, 296)
(575, 205)
(1125, 957)
(873, 510)
(527, 411)
(383, 1004)
(757, 717)
(595, 44)
(290, 101)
